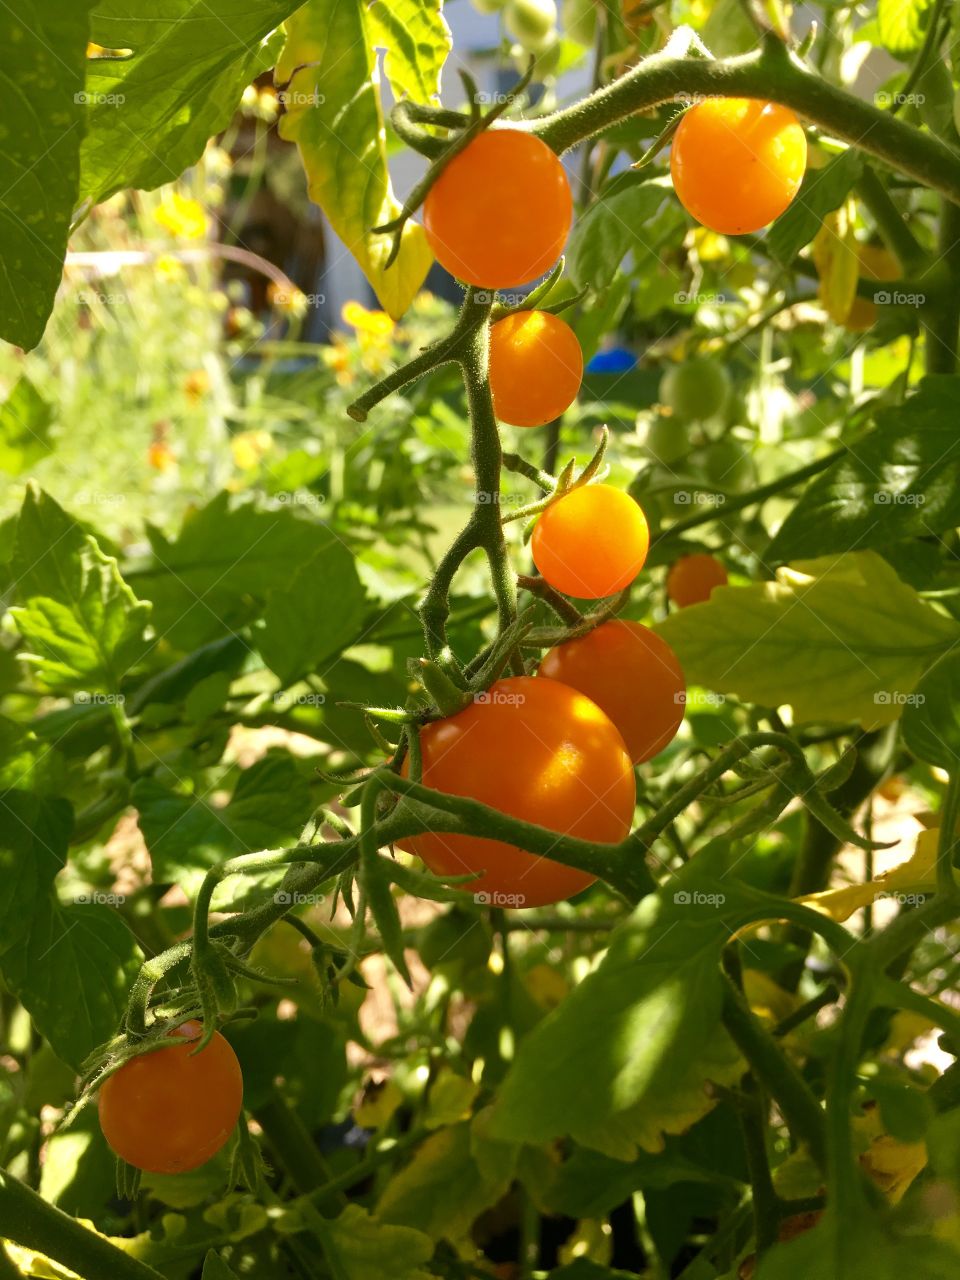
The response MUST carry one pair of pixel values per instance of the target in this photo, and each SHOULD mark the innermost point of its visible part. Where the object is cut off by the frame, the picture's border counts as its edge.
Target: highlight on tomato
(536, 367)
(692, 579)
(592, 542)
(500, 212)
(632, 674)
(537, 750)
(170, 1110)
(737, 163)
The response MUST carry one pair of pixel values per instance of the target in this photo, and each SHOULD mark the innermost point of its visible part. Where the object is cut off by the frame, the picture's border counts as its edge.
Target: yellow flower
(249, 448)
(160, 456)
(196, 384)
(169, 268)
(182, 216)
(376, 324)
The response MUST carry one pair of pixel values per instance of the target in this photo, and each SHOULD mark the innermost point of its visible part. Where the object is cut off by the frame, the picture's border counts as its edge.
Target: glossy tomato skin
(632, 674)
(500, 212)
(170, 1110)
(737, 162)
(592, 542)
(536, 750)
(536, 367)
(691, 579)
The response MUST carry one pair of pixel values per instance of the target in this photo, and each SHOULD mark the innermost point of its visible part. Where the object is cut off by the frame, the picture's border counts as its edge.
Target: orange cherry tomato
(737, 162)
(536, 367)
(536, 750)
(631, 674)
(592, 542)
(691, 579)
(500, 212)
(170, 1110)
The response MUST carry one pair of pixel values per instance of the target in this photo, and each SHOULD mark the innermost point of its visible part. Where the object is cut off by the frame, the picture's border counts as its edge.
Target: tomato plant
(414, 864)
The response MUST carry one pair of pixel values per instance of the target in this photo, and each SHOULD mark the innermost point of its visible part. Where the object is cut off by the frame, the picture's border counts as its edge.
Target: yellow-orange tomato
(536, 367)
(170, 1110)
(631, 674)
(536, 750)
(500, 212)
(691, 579)
(737, 162)
(592, 542)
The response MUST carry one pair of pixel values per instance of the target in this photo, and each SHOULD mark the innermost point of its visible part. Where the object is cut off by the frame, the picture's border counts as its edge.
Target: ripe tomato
(592, 542)
(737, 162)
(695, 390)
(536, 367)
(500, 212)
(167, 1111)
(537, 750)
(631, 674)
(691, 579)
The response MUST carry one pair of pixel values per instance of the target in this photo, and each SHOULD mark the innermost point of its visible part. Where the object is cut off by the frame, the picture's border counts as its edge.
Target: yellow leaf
(911, 878)
(837, 262)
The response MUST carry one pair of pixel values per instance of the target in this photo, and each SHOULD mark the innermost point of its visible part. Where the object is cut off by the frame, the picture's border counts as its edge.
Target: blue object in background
(612, 360)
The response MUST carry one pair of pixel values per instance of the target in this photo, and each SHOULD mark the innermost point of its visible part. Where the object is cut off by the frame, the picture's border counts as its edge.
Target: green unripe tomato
(727, 464)
(695, 390)
(488, 6)
(545, 62)
(532, 23)
(667, 441)
(579, 21)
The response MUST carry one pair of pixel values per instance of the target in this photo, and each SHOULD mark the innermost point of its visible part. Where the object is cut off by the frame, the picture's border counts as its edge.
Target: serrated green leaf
(25, 419)
(823, 190)
(368, 1249)
(228, 557)
(900, 481)
(150, 115)
(860, 1247)
(839, 638)
(186, 835)
(42, 57)
(901, 25)
(613, 226)
(442, 1191)
(416, 40)
(931, 721)
(315, 614)
(70, 966)
(335, 117)
(81, 623)
(644, 1029)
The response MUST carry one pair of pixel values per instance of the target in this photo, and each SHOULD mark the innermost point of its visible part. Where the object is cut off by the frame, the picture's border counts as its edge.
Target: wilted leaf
(914, 875)
(369, 1250)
